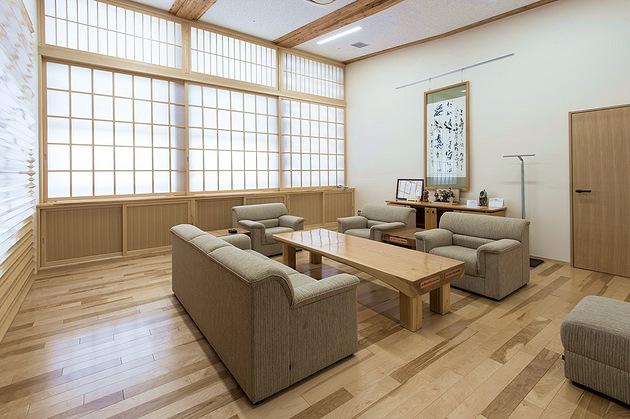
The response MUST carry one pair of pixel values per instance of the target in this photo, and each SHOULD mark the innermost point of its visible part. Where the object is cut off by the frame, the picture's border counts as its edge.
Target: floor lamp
(533, 262)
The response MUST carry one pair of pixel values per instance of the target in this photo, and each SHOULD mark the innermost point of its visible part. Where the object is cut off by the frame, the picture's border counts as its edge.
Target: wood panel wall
(86, 231)
(18, 148)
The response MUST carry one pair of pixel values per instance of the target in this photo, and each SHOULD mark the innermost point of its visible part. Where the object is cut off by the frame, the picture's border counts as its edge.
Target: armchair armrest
(499, 246)
(291, 221)
(376, 231)
(349, 223)
(324, 288)
(242, 241)
(430, 239)
(251, 225)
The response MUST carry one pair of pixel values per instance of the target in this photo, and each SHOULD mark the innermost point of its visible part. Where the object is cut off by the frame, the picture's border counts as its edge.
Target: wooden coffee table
(411, 272)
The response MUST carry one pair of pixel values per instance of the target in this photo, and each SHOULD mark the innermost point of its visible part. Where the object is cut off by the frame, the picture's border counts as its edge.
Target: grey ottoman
(596, 340)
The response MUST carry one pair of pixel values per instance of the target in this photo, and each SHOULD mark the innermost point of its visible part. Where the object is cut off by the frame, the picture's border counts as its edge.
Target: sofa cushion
(464, 254)
(258, 212)
(358, 232)
(269, 232)
(469, 241)
(372, 223)
(486, 226)
(246, 265)
(269, 223)
(388, 213)
(598, 328)
(297, 280)
(208, 243)
(286, 269)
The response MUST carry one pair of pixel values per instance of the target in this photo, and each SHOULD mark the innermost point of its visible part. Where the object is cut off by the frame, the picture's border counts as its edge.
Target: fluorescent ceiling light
(339, 35)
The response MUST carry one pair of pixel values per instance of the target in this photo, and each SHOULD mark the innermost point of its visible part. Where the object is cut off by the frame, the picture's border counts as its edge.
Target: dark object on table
(232, 231)
(444, 195)
(483, 198)
(425, 196)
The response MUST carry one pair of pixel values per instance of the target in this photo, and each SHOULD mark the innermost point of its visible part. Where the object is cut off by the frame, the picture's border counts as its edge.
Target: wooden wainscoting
(74, 232)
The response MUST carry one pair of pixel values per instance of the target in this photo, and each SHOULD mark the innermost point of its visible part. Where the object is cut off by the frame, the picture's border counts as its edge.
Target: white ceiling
(405, 22)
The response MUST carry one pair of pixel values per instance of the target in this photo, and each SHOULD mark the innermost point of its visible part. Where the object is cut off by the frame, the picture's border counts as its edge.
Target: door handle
(583, 191)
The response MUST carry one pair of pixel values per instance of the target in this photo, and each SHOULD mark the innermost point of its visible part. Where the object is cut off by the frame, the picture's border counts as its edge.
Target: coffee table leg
(315, 259)
(440, 299)
(288, 255)
(410, 311)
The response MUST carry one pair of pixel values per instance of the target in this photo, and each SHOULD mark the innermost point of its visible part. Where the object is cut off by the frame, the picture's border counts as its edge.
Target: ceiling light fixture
(321, 2)
(339, 35)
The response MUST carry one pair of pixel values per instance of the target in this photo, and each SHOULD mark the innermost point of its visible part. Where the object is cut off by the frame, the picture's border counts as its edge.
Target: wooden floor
(112, 341)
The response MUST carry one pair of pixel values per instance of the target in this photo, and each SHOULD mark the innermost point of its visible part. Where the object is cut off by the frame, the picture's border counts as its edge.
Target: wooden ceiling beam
(191, 9)
(344, 16)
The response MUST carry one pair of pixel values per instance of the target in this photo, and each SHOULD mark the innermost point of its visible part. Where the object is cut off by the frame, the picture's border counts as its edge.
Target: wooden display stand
(428, 216)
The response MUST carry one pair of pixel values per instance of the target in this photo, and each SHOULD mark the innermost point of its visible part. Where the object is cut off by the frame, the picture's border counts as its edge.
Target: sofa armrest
(324, 288)
(499, 246)
(349, 223)
(376, 231)
(251, 225)
(242, 241)
(430, 239)
(291, 221)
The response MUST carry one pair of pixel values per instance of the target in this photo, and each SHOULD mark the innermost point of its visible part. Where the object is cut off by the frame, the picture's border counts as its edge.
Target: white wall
(570, 55)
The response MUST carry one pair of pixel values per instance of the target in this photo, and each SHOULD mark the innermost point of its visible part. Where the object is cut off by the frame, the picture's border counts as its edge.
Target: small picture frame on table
(409, 189)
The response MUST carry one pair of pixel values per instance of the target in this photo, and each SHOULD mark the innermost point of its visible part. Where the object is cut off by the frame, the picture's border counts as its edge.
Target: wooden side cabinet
(430, 218)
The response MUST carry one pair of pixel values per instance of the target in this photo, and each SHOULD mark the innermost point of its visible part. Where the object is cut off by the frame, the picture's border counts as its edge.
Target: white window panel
(95, 26)
(314, 154)
(314, 77)
(103, 139)
(225, 56)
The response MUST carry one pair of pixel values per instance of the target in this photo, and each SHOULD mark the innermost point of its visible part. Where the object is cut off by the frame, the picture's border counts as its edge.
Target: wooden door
(600, 180)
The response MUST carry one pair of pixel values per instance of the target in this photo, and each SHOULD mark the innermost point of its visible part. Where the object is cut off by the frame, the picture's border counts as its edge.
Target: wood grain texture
(339, 18)
(308, 206)
(110, 340)
(215, 214)
(148, 225)
(454, 31)
(600, 157)
(337, 205)
(191, 9)
(79, 232)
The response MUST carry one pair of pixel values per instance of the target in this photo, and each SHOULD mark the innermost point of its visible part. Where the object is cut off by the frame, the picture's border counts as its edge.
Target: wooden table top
(225, 232)
(405, 269)
(446, 206)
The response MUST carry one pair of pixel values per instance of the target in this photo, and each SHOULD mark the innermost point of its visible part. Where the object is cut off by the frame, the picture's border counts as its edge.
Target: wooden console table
(428, 213)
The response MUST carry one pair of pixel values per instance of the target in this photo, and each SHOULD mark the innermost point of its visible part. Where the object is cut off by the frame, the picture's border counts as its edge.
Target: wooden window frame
(182, 75)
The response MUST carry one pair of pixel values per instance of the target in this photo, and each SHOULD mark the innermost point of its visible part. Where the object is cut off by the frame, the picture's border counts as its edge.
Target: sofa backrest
(485, 226)
(258, 212)
(390, 214)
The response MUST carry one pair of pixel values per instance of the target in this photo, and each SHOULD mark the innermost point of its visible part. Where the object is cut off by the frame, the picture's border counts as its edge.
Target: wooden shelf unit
(428, 213)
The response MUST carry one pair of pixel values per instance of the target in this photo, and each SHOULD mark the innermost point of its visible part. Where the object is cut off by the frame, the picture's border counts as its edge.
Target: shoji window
(233, 139)
(99, 27)
(313, 77)
(111, 133)
(312, 144)
(232, 58)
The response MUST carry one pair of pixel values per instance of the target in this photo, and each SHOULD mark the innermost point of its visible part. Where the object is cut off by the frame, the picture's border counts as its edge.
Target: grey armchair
(263, 221)
(495, 251)
(375, 220)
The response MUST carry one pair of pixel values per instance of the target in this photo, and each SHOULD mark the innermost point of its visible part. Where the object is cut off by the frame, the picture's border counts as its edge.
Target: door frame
(571, 186)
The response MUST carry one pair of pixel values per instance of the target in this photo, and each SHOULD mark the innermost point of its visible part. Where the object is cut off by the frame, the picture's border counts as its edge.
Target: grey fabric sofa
(263, 221)
(495, 251)
(375, 220)
(270, 325)
(596, 340)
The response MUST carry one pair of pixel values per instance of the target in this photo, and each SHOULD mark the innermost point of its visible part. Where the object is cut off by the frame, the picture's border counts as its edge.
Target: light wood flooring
(111, 340)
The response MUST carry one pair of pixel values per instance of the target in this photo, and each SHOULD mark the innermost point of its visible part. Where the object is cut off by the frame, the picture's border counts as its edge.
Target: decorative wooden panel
(148, 225)
(307, 205)
(213, 214)
(338, 204)
(265, 199)
(81, 232)
(18, 148)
